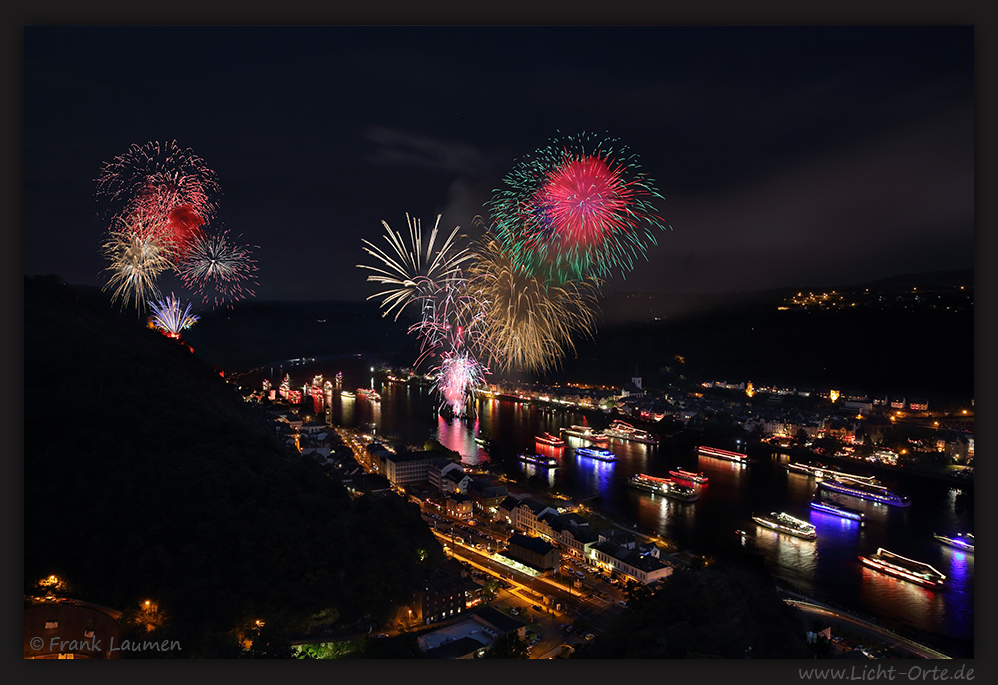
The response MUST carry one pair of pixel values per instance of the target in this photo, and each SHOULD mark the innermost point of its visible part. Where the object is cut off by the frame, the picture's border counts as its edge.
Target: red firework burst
(584, 201)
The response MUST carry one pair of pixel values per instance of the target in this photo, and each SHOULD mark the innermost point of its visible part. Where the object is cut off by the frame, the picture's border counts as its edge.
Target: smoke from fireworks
(412, 272)
(218, 269)
(169, 318)
(137, 256)
(576, 208)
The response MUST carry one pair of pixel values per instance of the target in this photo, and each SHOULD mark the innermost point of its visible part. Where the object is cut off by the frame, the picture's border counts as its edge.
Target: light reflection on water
(828, 566)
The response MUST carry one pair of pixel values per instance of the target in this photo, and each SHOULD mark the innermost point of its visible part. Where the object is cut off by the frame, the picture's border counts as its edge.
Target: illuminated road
(873, 631)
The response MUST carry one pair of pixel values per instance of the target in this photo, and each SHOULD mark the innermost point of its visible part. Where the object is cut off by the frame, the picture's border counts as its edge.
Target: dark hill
(146, 476)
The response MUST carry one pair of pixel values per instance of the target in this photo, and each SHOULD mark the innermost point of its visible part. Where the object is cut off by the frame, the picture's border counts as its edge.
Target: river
(827, 567)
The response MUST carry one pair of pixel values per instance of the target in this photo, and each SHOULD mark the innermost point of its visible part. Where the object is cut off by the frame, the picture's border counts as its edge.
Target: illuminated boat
(539, 459)
(347, 393)
(665, 487)
(549, 439)
(822, 471)
(722, 454)
(870, 491)
(785, 523)
(902, 567)
(625, 431)
(837, 510)
(577, 431)
(964, 541)
(683, 474)
(596, 453)
(598, 437)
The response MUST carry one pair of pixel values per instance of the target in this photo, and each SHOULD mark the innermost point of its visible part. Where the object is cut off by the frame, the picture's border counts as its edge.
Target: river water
(827, 567)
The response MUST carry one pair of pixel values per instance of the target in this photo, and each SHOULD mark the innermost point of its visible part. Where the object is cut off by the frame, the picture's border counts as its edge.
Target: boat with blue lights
(837, 510)
(902, 567)
(596, 453)
(870, 491)
(964, 541)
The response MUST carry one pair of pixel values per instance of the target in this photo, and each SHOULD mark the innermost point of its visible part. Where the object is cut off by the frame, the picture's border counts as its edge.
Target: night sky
(787, 156)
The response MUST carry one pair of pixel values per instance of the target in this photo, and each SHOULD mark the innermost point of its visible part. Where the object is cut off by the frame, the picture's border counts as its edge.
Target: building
(68, 630)
(486, 497)
(533, 552)
(459, 506)
(442, 598)
(408, 467)
(631, 562)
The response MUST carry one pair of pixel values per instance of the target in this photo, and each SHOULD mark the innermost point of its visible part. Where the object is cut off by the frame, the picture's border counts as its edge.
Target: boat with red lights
(902, 567)
(662, 486)
(691, 476)
(722, 454)
(549, 439)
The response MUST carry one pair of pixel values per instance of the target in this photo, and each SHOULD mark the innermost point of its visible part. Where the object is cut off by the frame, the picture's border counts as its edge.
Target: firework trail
(218, 269)
(138, 255)
(411, 272)
(576, 208)
(159, 177)
(169, 318)
(528, 321)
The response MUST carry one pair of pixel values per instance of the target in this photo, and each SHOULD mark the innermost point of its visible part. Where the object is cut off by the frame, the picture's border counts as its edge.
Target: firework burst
(528, 322)
(159, 177)
(411, 271)
(218, 269)
(456, 379)
(169, 318)
(137, 255)
(576, 208)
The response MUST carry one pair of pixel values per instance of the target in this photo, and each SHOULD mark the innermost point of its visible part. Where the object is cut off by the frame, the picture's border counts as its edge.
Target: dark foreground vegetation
(146, 477)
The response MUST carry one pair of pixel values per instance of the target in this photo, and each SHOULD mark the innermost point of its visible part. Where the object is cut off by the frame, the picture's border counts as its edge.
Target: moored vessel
(785, 523)
(662, 486)
(902, 567)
